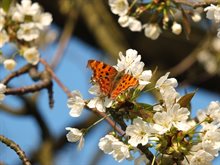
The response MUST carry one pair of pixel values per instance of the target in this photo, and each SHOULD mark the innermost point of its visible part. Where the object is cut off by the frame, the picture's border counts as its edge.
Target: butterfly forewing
(103, 74)
(124, 83)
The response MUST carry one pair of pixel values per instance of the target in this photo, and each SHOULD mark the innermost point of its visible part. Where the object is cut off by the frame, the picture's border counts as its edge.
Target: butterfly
(107, 78)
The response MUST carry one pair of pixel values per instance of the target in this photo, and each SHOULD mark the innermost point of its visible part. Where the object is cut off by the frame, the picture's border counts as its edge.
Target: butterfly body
(110, 81)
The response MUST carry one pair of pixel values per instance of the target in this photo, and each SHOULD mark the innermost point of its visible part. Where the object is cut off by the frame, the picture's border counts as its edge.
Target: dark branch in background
(67, 33)
(44, 156)
(195, 3)
(44, 77)
(12, 110)
(16, 148)
(189, 60)
(165, 52)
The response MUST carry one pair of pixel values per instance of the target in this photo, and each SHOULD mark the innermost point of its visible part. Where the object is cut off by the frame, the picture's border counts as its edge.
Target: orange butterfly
(106, 76)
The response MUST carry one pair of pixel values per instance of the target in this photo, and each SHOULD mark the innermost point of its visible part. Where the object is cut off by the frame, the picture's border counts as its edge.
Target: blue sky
(73, 73)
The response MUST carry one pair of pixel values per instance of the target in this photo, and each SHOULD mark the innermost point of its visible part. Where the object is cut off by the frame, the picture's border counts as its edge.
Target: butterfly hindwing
(124, 83)
(103, 74)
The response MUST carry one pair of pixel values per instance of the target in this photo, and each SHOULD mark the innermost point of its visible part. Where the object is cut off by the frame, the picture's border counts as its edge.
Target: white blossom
(152, 31)
(134, 24)
(213, 111)
(9, 64)
(211, 142)
(213, 13)
(163, 122)
(75, 135)
(4, 38)
(28, 32)
(42, 20)
(141, 160)
(139, 132)
(136, 69)
(145, 77)
(99, 102)
(131, 22)
(208, 61)
(76, 104)
(215, 44)
(105, 144)
(31, 55)
(126, 63)
(163, 82)
(185, 125)
(178, 113)
(2, 91)
(201, 157)
(175, 116)
(176, 28)
(17, 16)
(169, 96)
(110, 145)
(196, 17)
(27, 8)
(124, 21)
(119, 7)
(120, 151)
(131, 63)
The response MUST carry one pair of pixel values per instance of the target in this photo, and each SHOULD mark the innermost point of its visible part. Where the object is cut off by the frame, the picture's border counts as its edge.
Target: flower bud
(9, 64)
(176, 28)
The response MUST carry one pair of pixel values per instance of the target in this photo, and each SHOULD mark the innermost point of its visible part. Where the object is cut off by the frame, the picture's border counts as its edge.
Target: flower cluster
(22, 24)
(166, 126)
(209, 56)
(213, 13)
(111, 145)
(162, 14)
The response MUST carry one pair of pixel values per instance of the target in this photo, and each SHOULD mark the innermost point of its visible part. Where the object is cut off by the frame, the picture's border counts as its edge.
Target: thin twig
(62, 86)
(28, 89)
(16, 148)
(186, 63)
(17, 73)
(108, 119)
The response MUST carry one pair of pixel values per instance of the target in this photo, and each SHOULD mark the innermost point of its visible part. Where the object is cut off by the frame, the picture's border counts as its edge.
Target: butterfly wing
(124, 83)
(103, 74)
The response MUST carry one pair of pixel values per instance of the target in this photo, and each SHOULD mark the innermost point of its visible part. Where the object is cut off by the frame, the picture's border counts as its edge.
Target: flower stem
(98, 121)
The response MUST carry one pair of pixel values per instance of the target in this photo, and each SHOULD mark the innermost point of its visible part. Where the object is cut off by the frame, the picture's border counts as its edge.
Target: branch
(62, 86)
(16, 148)
(108, 119)
(17, 73)
(195, 3)
(7, 109)
(187, 62)
(28, 89)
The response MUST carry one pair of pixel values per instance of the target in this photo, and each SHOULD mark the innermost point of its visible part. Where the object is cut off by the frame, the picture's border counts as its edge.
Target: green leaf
(143, 106)
(6, 4)
(184, 101)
